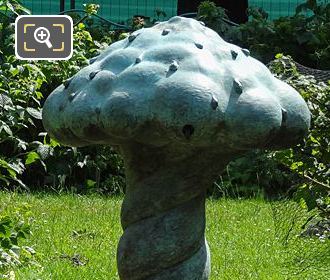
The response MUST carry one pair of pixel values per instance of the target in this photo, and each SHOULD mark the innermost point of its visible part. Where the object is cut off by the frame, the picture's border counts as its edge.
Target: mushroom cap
(177, 82)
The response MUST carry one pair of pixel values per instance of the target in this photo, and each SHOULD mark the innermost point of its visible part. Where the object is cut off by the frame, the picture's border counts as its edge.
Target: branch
(317, 182)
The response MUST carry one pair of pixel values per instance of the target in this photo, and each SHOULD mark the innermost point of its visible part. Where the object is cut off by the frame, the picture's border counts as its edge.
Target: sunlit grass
(247, 238)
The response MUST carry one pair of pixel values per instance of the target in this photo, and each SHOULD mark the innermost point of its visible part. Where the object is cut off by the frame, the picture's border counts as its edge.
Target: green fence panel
(43, 7)
(115, 10)
(122, 10)
(279, 8)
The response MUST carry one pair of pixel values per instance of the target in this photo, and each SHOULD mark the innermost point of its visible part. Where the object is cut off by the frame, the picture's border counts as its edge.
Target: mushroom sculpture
(179, 103)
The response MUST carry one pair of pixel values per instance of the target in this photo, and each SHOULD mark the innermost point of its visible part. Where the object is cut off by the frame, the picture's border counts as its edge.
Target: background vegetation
(305, 36)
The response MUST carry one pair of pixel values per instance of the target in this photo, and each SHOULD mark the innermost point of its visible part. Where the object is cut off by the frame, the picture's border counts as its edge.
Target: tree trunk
(62, 5)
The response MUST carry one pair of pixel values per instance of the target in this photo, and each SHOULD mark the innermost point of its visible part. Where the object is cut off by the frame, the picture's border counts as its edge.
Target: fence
(278, 8)
(116, 10)
(121, 10)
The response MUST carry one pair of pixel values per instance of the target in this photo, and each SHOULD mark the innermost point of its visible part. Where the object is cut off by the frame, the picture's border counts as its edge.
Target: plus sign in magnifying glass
(41, 35)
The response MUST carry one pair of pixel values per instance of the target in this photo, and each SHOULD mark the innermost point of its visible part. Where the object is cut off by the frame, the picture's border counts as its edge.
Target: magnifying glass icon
(41, 35)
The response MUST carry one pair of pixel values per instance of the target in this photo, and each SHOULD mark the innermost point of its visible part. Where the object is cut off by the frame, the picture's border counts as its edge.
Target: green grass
(248, 238)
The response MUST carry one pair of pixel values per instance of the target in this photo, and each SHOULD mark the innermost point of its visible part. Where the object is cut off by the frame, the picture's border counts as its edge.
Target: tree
(236, 10)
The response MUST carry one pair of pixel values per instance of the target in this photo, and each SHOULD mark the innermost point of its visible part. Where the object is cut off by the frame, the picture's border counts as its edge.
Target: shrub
(310, 160)
(14, 229)
(28, 158)
(305, 36)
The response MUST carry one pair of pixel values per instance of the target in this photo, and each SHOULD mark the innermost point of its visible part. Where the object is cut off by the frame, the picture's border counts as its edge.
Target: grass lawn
(249, 239)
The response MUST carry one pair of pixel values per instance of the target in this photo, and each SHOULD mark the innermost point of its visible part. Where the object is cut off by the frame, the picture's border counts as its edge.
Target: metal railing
(111, 23)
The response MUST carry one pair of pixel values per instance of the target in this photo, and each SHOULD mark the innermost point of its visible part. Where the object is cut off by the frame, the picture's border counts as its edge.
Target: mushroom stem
(163, 214)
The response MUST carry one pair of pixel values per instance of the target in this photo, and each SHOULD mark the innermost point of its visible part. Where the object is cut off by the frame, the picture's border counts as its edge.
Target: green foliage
(14, 229)
(84, 170)
(305, 35)
(311, 159)
(91, 9)
(13, 7)
(213, 17)
(20, 115)
(28, 158)
(138, 22)
(255, 174)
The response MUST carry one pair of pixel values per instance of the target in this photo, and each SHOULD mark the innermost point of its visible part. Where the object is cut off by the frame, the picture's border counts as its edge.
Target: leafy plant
(311, 159)
(13, 230)
(257, 173)
(28, 157)
(213, 17)
(20, 116)
(305, 35)
(13, 6)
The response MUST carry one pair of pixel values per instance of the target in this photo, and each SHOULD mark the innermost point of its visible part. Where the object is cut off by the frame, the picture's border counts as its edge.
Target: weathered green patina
(179, 103)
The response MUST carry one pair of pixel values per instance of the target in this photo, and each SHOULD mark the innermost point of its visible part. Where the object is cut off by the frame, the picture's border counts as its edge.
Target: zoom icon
(43, 37)
(39, 35)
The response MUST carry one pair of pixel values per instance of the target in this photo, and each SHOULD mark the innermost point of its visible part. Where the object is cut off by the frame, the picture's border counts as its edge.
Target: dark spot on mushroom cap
(188, 131)
(166, 31)
(237, 86)
(92, 60)
(234, 54)
(246, 52)
(202, 23)
(214, 103)
(67, 83)
(198, 45)
(132, 37)
(138, 60)
(284, 116)
(93, 74)
(174, 66)
(72, 96)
